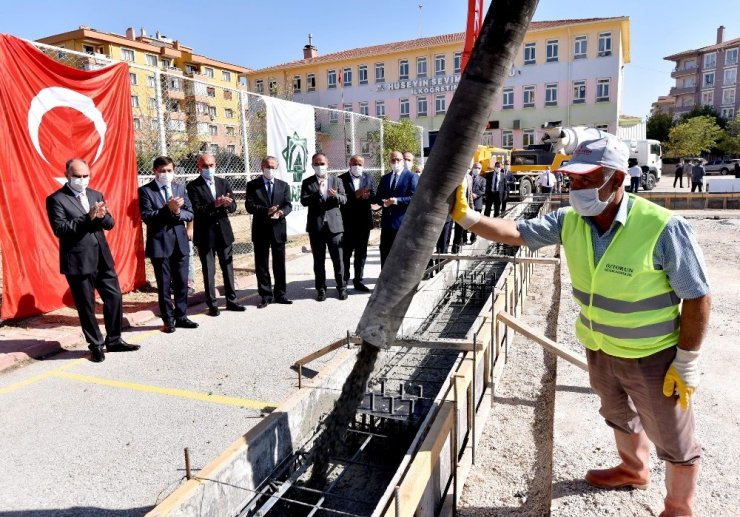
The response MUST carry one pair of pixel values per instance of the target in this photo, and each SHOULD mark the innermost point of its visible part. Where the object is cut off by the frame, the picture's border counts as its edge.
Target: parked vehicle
(722, 167)
(649, 156)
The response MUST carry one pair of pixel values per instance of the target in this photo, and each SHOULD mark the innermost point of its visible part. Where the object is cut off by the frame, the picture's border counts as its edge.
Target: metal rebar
(188, 473)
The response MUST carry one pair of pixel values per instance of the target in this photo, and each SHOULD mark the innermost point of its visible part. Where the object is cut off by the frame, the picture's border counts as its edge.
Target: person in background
(678, 176)
(394, 195)
(697, 176)
(546, 181)
(635, 172)
(478, 186)
(498, 185)
(737, 169)
(408, 161)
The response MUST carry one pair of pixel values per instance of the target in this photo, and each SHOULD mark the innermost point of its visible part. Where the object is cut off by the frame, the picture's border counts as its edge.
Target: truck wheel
(724, 172)
(649, 183)
(525, 188)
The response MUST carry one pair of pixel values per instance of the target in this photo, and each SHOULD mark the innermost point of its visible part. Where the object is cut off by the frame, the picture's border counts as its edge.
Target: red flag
(50, 113)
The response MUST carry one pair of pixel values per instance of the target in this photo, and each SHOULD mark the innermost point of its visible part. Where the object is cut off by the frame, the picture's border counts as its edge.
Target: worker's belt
(648, 331)
(660, 301)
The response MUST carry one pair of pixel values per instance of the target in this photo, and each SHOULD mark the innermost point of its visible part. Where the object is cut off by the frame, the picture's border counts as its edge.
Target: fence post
(421, 145)
(160, 112)
(382, 149)
(352, 134)
(243, 103)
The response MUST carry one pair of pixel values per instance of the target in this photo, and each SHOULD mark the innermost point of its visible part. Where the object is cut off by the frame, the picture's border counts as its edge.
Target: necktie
(84, 202)
(166, 191)
(393, 182)
(269, 191)
(547, 180)
(212, 186)
(495, 181)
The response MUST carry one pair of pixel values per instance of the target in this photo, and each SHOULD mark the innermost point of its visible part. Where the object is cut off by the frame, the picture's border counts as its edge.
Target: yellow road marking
(172, 392)
(39, 377)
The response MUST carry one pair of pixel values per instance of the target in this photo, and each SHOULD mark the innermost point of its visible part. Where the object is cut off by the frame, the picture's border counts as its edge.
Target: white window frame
(528, 96)
(601, 86)
(208, 72)
(530, 53)
(213, 129)
(728, 97)
(333, 113)
(128, 54)
(347, 108)
(347, 76)
(228, 113)
(440, 104)
(551, 94)
(211, 91)
(707, 98)
(507, 99)
(727, 113)
(132, 79)
(151, 60)
(259, 86)
(709, 63)
(362, 74)
(421, 68)
(580, 47)
(137, 124)
(605, 44)
(404, 108)
(731, 56)
(364, 108)
(230, 131)
(297, 83)
(380, 109)
(553, 51)
(440, 64)
(231, 148)
(706, 82)
(151, 81)
(226, 76)
(733, 79)
(380, 73)
(403, 69)
(507, 139)
(457, 62)
(579, 91)
(331, 78)
(527, 137)
(310, 82)
(152, 104)
(134, 101)
(422, 111)
(212, 111)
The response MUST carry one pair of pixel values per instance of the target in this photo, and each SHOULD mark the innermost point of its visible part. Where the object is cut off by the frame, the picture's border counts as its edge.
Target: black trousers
(634, 185)
(262, 250)
(355, 242)
(171, 274)
(678, 178)
(459, 237)
(319, 242)
(499, 204)
(208, 264)
(83, 287)
(387, 236)
(696, 185)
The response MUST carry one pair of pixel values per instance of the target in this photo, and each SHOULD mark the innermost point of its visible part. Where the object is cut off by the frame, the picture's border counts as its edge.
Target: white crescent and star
(59, 97)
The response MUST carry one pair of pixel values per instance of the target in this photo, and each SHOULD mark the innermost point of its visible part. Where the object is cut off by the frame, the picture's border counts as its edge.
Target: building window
(225, 76)
(230, 131)
(708, 80)
(403, 70)
(212, 111)
(507, 139)
(439, 64)
(728, 113)
(707, 98)
(259, 86)
(310, 82)
(457, 62)
(364, 110)
(602, 90)
(152, 104)
(132, 79)
(151, 60)
(530, 51)
(508, 99)
(137, 124)
(213, 130)
(331, 79)
(362, 74)
(688, 82)
(529, 96)
(134, 101)
(347, 77)
(174, 83)
(730, 76)
(422, 106)
(421, 67)
(728, 96)
(211, 92)
(333, 113)
(231, 148)
(710, 60)
(405, 107)
(151, 81)
(176, 125)
(440, 104)
(208, 72)
(527, 137)
(379, 72)
(579, 92)
(731, 56)
(296, 84)
(348, 112)
(605, 44)
(201, 109)
(552, 51)
(191, 69)
(379, 109)
(128, 55)
(581, 47)
(173, 105)
(228, 113)
(551, 94)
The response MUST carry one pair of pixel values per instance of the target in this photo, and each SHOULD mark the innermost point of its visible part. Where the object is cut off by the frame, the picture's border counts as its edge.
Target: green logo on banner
(295, 155)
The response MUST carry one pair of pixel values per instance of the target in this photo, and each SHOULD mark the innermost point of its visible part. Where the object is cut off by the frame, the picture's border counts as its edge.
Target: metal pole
(421, 145)
(188, 473)
(454, 447)
(160, 113)
(243, 103)
(300, 376)
(352, 134)
(382, 149)
(475, 399)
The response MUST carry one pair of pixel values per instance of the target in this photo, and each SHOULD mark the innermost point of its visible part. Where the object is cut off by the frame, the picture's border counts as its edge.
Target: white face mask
(476, 171)
(268, 173)
(586, 202)
(356, 170)
(165, 178)
(397, 167)
(319, 170)
(78, 184)
(408, 164)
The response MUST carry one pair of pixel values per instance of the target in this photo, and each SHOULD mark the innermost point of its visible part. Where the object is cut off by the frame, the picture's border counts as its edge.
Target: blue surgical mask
(586, 202)
(208, 174)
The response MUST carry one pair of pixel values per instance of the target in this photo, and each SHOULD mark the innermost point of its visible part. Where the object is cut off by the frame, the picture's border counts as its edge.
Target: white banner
(291, 138)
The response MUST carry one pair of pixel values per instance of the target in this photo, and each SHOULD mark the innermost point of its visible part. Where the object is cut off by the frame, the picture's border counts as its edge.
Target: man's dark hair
(161, 161)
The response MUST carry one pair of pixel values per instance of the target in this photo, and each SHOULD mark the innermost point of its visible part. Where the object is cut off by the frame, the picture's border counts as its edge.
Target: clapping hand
(174, 204)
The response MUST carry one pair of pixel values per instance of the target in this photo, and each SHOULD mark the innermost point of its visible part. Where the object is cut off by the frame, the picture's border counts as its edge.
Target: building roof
(686, 53)
(402, 46)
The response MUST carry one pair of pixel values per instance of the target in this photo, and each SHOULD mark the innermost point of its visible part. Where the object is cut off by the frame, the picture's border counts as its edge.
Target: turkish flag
(50, 113)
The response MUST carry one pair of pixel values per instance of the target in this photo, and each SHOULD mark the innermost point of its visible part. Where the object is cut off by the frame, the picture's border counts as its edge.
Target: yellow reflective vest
(628, 308)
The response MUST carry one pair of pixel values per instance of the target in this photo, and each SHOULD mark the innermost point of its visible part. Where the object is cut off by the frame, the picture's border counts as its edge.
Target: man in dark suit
(479, 192)
(78, 215)
(268, 200)
(323, 195)
(213, 200)
(357, 217)
(165, 209)
(498, 185)
(394, 195)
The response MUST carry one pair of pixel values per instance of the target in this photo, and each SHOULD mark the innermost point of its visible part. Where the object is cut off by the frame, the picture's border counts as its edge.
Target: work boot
(634, 472)
(680, 483)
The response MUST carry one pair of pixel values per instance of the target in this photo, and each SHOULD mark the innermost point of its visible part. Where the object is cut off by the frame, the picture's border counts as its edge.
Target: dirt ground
(509, 477)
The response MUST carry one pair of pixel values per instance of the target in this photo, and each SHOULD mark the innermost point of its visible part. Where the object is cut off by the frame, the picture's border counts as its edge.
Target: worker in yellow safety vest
(639, 278)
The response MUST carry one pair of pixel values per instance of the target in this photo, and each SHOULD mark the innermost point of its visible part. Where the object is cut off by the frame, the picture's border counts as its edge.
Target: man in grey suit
(323, 195)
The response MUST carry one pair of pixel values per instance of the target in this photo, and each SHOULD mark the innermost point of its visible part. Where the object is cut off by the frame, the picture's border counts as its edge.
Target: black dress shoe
(342, 294)
(359, 286)
(283, 300)
(122, 346)
(168, 327)
(96, 354)
(213, 311)
(186, 323)
(321, 295)
(264, 303)
(233, 306)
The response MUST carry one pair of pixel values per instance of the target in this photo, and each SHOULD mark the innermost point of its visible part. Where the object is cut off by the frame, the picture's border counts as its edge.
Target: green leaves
(693, 137)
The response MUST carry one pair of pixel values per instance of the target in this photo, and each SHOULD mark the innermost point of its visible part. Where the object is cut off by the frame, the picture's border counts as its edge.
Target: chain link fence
(181, 114)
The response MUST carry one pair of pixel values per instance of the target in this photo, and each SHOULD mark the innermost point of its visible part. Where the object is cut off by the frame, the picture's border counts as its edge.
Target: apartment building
(202, 112)
(707, 76)
(566, 70)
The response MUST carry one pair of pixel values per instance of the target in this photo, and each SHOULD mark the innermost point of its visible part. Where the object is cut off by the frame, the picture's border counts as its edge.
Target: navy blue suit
(167, 247)
(358, 221)
(392, 215)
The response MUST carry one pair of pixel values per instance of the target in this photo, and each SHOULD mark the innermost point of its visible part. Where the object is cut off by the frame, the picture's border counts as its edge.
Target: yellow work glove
(461, 211)
(682, 377)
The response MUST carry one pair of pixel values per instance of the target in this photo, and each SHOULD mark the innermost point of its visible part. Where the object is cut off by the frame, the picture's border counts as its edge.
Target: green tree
(402, 136)
(659, 126)
(729, 143)
(705, 111)
(695, 136)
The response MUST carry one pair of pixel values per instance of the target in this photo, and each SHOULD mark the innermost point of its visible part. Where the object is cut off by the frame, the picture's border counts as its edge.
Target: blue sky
(258, 33)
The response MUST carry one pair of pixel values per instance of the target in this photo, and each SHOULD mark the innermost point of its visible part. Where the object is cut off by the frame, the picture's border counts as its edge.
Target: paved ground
(84, 438)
